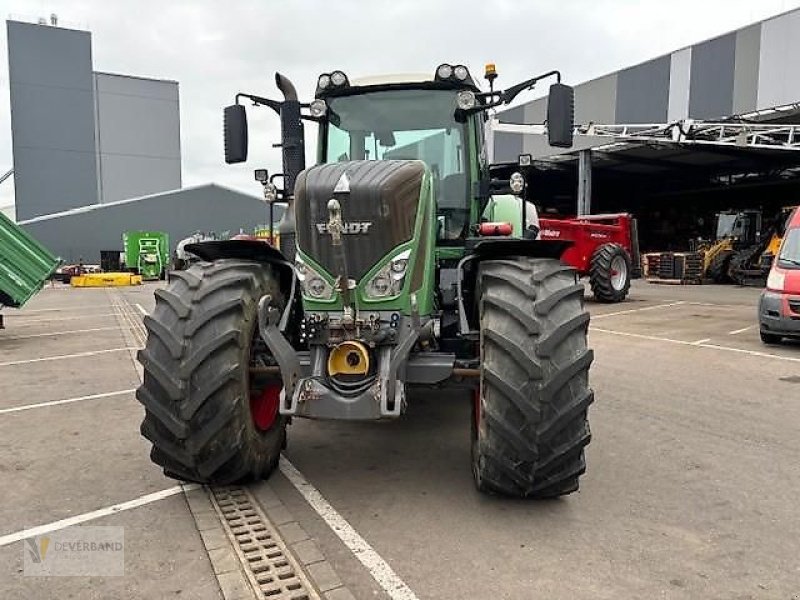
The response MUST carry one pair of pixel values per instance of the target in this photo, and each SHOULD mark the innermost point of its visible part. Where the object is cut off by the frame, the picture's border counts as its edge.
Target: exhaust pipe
(294, 159)
(286, 87)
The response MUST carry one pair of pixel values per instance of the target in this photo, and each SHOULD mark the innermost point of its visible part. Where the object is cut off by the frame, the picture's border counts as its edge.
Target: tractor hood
(379, 210)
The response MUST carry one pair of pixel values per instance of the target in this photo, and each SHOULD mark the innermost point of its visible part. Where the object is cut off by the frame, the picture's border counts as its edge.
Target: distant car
(66, 272)
(779, 306)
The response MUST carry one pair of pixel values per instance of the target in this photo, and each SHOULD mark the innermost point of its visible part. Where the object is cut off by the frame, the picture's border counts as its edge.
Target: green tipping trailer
(146, 252)
(25, 265)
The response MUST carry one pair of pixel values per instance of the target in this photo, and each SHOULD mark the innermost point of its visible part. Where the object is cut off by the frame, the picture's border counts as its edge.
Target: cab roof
(794, 220)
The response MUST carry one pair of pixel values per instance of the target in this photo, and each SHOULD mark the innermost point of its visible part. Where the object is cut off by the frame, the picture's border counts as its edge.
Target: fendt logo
(356, 227)
(550, 233)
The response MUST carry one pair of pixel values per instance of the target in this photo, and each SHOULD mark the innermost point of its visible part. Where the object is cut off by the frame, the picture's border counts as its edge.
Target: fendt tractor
(403, 265)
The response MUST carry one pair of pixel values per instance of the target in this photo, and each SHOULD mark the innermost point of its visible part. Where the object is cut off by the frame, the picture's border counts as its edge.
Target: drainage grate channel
(268, 564)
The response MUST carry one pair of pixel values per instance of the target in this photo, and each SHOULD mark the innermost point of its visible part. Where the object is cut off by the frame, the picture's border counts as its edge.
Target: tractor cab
(377, 122)
(742, 226)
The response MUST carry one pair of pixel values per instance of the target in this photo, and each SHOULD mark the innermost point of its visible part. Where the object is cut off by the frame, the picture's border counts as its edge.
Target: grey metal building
(750, 72)
(81, 138)
(98, 154)
(676, 139)
(87, 231)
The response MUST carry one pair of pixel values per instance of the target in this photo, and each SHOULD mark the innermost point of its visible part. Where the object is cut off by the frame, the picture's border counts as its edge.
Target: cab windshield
(789, 256)
(406, 124)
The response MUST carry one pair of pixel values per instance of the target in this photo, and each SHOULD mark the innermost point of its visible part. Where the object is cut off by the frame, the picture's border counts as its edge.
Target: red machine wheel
(610, 273)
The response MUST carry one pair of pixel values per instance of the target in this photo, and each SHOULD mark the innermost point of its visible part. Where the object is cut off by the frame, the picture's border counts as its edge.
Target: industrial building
(677, 138)
(94, 232)
(96, 154)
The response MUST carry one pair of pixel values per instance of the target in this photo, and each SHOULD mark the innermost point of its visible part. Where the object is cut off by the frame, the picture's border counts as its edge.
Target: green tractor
(404, 265)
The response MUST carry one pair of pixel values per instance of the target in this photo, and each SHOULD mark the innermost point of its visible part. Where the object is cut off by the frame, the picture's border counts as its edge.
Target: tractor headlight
(461, 72)
(516, 183)
(324, 81)
(465, 99)
(338, 78)
(444, 71)
(389, 280)
(318, 108)
(314, 286)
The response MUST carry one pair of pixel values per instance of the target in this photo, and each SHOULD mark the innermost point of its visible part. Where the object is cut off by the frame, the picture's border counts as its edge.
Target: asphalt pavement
(690, 492)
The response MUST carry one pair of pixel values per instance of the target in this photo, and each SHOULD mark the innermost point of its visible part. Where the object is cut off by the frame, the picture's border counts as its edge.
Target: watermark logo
(37, 548)
(87, 550)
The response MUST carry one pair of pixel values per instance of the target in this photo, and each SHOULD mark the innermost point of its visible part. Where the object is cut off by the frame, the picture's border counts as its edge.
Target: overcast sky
(215, 49)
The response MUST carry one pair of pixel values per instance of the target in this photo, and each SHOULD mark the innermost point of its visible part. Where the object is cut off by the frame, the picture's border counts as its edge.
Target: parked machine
(745, 245)
(146, 253)
(25, 265)
(386, 279)
(779, 305)
(605, 249)
(734, 230)
(750, 265)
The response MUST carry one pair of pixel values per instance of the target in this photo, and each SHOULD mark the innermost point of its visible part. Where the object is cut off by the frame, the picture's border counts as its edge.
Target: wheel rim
(264, 405)
(619, 273)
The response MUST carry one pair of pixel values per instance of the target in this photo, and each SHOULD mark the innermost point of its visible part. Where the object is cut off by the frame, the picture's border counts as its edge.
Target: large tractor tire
(610, 273)
(207, 419)
(719, 267)
(530, 413)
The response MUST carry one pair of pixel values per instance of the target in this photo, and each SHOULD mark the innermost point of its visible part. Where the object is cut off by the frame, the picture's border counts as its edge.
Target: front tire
(197, 386)
(610, 273)
(530, 422)
(719, 267)
(770, 338)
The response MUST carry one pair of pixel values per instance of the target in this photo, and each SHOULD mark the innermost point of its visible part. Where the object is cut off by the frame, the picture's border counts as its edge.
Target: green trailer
(146, 252)
(25, 265)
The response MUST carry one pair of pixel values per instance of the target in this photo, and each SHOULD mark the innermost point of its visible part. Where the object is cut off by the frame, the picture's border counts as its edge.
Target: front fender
(242, 249)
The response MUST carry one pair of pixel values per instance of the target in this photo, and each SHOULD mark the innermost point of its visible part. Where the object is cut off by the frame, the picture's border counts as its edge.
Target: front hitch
(282, 351)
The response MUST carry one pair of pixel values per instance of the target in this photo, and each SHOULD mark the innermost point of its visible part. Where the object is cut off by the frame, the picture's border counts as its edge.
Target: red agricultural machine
(605, 249)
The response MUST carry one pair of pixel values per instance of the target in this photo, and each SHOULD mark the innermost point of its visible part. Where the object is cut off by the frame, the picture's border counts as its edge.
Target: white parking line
(63, 356)
(380, 570)
(742, 330)
(28, 311)
(142, 310)
(635, 310)
(654, 338)
(49, 333)
(693, 303)
(76, 318)
(701, 342)
(95, 514)
(13, 409)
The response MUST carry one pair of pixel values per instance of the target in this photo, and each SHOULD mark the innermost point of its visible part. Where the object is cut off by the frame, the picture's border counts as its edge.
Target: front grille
(383, 193)
(794, 305)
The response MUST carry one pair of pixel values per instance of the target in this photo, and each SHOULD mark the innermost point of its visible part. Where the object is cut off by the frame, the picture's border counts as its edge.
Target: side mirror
(560, 115)
(235, 128)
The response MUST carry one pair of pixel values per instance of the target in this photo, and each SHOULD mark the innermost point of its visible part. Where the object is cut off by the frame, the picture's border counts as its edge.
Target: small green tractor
(405, 264)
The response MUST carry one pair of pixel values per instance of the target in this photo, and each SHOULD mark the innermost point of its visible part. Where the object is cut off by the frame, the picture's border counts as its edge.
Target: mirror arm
(512, 92)
(259, 101)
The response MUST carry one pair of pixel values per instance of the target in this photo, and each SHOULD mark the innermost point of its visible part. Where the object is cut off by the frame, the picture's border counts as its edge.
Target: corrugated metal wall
(52, 118)
(751, 69)
(138, 136)
(84, 233)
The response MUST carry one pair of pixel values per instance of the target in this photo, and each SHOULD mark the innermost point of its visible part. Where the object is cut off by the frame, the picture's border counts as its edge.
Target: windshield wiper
(791, 261)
